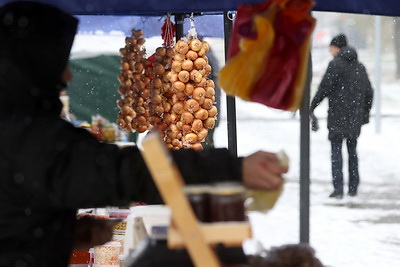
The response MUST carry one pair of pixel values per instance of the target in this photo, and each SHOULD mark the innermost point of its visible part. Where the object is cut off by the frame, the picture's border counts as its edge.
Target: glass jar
(227, 203)
(199, 199)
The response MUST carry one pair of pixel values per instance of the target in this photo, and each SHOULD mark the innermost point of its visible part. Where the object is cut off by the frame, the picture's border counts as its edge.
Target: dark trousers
(337, 165)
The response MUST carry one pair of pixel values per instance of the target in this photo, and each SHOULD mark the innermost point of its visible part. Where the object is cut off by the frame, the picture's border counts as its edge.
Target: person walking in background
(348, 89)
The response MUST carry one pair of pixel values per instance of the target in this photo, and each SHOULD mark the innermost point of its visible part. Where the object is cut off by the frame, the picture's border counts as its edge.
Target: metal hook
(231, 15)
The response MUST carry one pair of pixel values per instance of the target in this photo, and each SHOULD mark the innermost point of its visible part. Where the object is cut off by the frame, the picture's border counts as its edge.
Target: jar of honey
(199, 199)
(227, 203)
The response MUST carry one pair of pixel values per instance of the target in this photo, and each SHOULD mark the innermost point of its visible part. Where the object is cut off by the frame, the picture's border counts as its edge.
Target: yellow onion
(199, 94)
(187, 64)
(179, 57)
(176, 66)
(186, 128)
(161, 51)
(195, 45)
(158, 68)
(209, 92)
(200, 63)
(196, 146)
(157, 83)
(192, 105)
(197, 125)
(195, 76)
(208, 104)
(187, 117)
(191, 55)
(189, 88)
(179, 125)
(181, 47)
(191, 138)
(166, 105)
(209, 123)
(201, 114)
(178, 108)
(202, 134)
(179, 86)
(183, 76)
(170, 52)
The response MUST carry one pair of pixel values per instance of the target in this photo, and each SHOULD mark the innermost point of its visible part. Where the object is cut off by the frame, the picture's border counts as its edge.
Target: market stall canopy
(151, 25)
(159, 7)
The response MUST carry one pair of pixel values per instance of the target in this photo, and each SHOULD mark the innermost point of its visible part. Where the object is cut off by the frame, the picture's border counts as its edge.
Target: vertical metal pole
(378, 72)
(179, 20)
(305, 160)
(230, 101)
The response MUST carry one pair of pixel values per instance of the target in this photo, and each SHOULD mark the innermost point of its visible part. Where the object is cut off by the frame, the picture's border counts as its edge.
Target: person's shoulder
(336, 64)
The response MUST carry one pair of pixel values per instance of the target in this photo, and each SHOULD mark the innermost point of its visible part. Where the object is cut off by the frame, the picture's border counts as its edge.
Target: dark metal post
(230, 100)
(305, 160)
(179, 21)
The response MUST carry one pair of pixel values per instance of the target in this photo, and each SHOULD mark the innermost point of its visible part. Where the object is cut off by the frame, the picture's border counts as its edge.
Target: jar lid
(227, 189)
(197, 189)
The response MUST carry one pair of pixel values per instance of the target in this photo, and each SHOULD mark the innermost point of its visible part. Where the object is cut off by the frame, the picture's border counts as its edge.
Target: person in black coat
(350, 95)
(49, 169)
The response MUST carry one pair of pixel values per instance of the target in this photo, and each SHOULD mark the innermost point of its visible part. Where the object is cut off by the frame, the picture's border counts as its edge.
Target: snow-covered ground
(360, 231)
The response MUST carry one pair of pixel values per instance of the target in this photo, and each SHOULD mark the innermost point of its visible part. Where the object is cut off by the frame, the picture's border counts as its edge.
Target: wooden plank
(169, 182)
(231, 234)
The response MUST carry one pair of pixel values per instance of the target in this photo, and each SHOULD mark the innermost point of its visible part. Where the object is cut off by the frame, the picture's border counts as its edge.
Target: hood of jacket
(348, 53)
(35, 44)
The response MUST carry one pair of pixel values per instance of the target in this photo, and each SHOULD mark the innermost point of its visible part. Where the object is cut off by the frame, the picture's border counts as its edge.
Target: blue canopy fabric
(206, 25)
(160, 7)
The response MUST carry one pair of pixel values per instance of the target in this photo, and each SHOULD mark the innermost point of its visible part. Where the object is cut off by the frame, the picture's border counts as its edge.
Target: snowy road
(360, 231)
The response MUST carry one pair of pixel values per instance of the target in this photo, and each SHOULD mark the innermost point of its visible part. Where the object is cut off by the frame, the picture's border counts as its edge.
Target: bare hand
(262, 170)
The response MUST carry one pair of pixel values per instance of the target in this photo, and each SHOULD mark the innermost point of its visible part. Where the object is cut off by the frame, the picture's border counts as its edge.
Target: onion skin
(158, 69)
(192, 55)
(195, 76)
(200, 63)
(197, 125)
(187, 64)
(189, 88)
(179, 86)
(201, 114)
(176, 66)
(181, 47)
(199, 94)
(187, 117)
(179, 57)
(196, 146)
(191, 138)
(208, 104)
(186, 128)
(183, 76)
(178, 108)
(192, 105)
(212, 112)
(170, 52)
(161, 51)
(209, 123)
(195, 45)
(202, 134)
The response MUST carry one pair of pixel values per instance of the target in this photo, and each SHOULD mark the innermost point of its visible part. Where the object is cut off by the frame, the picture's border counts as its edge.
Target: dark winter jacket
(350, 94)
(48, 168)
